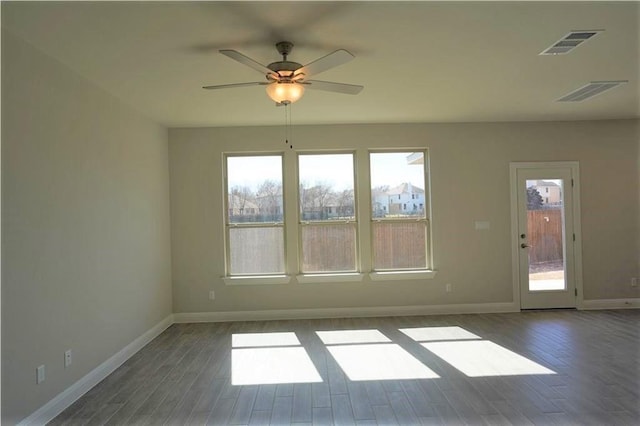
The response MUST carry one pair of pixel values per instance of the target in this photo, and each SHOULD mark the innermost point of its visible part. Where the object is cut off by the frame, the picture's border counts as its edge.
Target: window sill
(402, 275)
(257, 280)
(329, 278)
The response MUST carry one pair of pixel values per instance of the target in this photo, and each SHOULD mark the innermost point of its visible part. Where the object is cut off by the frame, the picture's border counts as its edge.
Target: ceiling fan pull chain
(290, 144)
(286, 130)
(287, 125)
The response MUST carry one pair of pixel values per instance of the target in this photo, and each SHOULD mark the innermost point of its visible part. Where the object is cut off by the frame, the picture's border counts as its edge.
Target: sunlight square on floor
(337, 337)
(248, 340)
(261, 366)
(383, 361)
(429, 334)
(481, 358)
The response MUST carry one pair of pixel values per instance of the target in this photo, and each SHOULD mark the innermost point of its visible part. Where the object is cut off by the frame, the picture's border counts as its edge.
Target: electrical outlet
(40, 374)
(447, 287)
(634, 282)
(212, 295)
(482, 225)
(67, 358)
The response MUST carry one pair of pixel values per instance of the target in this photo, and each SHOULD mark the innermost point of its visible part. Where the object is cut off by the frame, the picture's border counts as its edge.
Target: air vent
(569, 42)
(590, 90)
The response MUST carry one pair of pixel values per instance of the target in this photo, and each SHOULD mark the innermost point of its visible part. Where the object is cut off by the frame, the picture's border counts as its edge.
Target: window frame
(362, 222)
(385, 274)
(317, 276)
(273, 277)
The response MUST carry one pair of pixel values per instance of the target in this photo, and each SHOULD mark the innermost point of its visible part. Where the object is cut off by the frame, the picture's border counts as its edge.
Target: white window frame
(328, 276)
(406, 273)
(363, 223)
(258, 277)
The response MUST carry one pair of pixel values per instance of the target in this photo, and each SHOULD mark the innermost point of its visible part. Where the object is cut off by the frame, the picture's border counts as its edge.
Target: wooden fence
(544, 235)
(398, 245)
(328, 247)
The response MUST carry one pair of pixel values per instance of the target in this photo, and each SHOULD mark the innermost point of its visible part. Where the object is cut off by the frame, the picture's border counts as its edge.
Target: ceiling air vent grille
(590, 90)
(569, 42)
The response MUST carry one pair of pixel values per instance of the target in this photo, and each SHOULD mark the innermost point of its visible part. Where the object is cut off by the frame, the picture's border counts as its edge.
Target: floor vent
(569, 42)
(590, 90)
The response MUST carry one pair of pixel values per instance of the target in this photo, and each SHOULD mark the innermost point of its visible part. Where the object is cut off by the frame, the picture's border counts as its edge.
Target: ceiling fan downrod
(284, 48)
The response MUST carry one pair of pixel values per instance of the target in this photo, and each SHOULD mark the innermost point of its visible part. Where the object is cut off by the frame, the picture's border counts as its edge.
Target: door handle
(524, 245)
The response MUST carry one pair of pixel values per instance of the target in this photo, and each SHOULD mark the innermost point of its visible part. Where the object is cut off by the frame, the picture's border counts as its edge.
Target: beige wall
(85, 226)
(470, 182)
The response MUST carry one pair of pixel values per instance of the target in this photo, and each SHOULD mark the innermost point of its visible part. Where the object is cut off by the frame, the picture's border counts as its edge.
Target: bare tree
(269, 196)
(345, 202)
(238, 198)
(314, 200)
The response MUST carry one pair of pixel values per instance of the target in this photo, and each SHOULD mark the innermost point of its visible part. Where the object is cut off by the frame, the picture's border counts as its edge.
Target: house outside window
(399, 235)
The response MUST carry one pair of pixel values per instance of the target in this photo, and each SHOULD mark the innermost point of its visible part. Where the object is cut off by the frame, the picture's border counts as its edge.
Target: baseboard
(630, 303)
(58, 404)
(383, 311)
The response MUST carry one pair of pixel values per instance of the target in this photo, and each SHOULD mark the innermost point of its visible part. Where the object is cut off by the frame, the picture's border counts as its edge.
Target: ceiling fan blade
(331, 60)
(232, 85)
(245, 60)
(347, 89)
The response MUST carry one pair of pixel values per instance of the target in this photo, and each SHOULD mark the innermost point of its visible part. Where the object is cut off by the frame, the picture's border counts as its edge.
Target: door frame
(577, 244)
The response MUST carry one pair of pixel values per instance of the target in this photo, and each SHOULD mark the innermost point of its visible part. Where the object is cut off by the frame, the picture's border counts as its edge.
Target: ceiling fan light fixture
(284, 92)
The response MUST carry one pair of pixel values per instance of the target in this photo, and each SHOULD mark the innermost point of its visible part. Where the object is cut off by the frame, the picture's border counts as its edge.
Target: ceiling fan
(286, 80)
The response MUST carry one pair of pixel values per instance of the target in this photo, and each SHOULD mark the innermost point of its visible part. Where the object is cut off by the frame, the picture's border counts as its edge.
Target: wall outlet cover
(40, 374)
(482, 225)
(67, 358)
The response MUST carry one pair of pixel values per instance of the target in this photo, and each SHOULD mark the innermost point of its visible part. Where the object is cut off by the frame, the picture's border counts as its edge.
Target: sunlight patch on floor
(429, 334)
(379, 362)
(249, 340)
(270, 358)
(261, 366)
(484, 358)
(337, 337)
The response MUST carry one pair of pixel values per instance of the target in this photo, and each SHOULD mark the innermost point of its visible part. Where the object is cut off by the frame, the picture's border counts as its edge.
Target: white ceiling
(418, 61)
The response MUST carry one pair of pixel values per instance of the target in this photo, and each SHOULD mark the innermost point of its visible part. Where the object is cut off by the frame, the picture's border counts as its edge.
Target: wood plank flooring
(184, 377)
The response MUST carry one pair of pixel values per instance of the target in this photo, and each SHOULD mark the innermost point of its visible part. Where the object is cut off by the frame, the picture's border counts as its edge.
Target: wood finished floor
(184, 377)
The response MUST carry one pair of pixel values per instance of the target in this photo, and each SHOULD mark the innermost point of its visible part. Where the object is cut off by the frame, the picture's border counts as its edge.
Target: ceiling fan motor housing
(284, 68)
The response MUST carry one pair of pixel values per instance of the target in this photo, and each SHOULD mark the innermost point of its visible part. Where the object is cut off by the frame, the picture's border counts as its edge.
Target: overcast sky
(336, 169)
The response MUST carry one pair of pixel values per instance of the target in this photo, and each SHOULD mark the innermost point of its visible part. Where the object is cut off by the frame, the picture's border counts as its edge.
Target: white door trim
(577, 229)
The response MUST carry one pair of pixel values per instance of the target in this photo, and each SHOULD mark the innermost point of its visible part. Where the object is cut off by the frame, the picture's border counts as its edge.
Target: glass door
(545, 238)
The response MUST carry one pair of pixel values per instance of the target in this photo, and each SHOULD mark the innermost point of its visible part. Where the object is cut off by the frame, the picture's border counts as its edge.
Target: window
(254, 222)
(326, 191)
(327, 213)
(398, 236)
